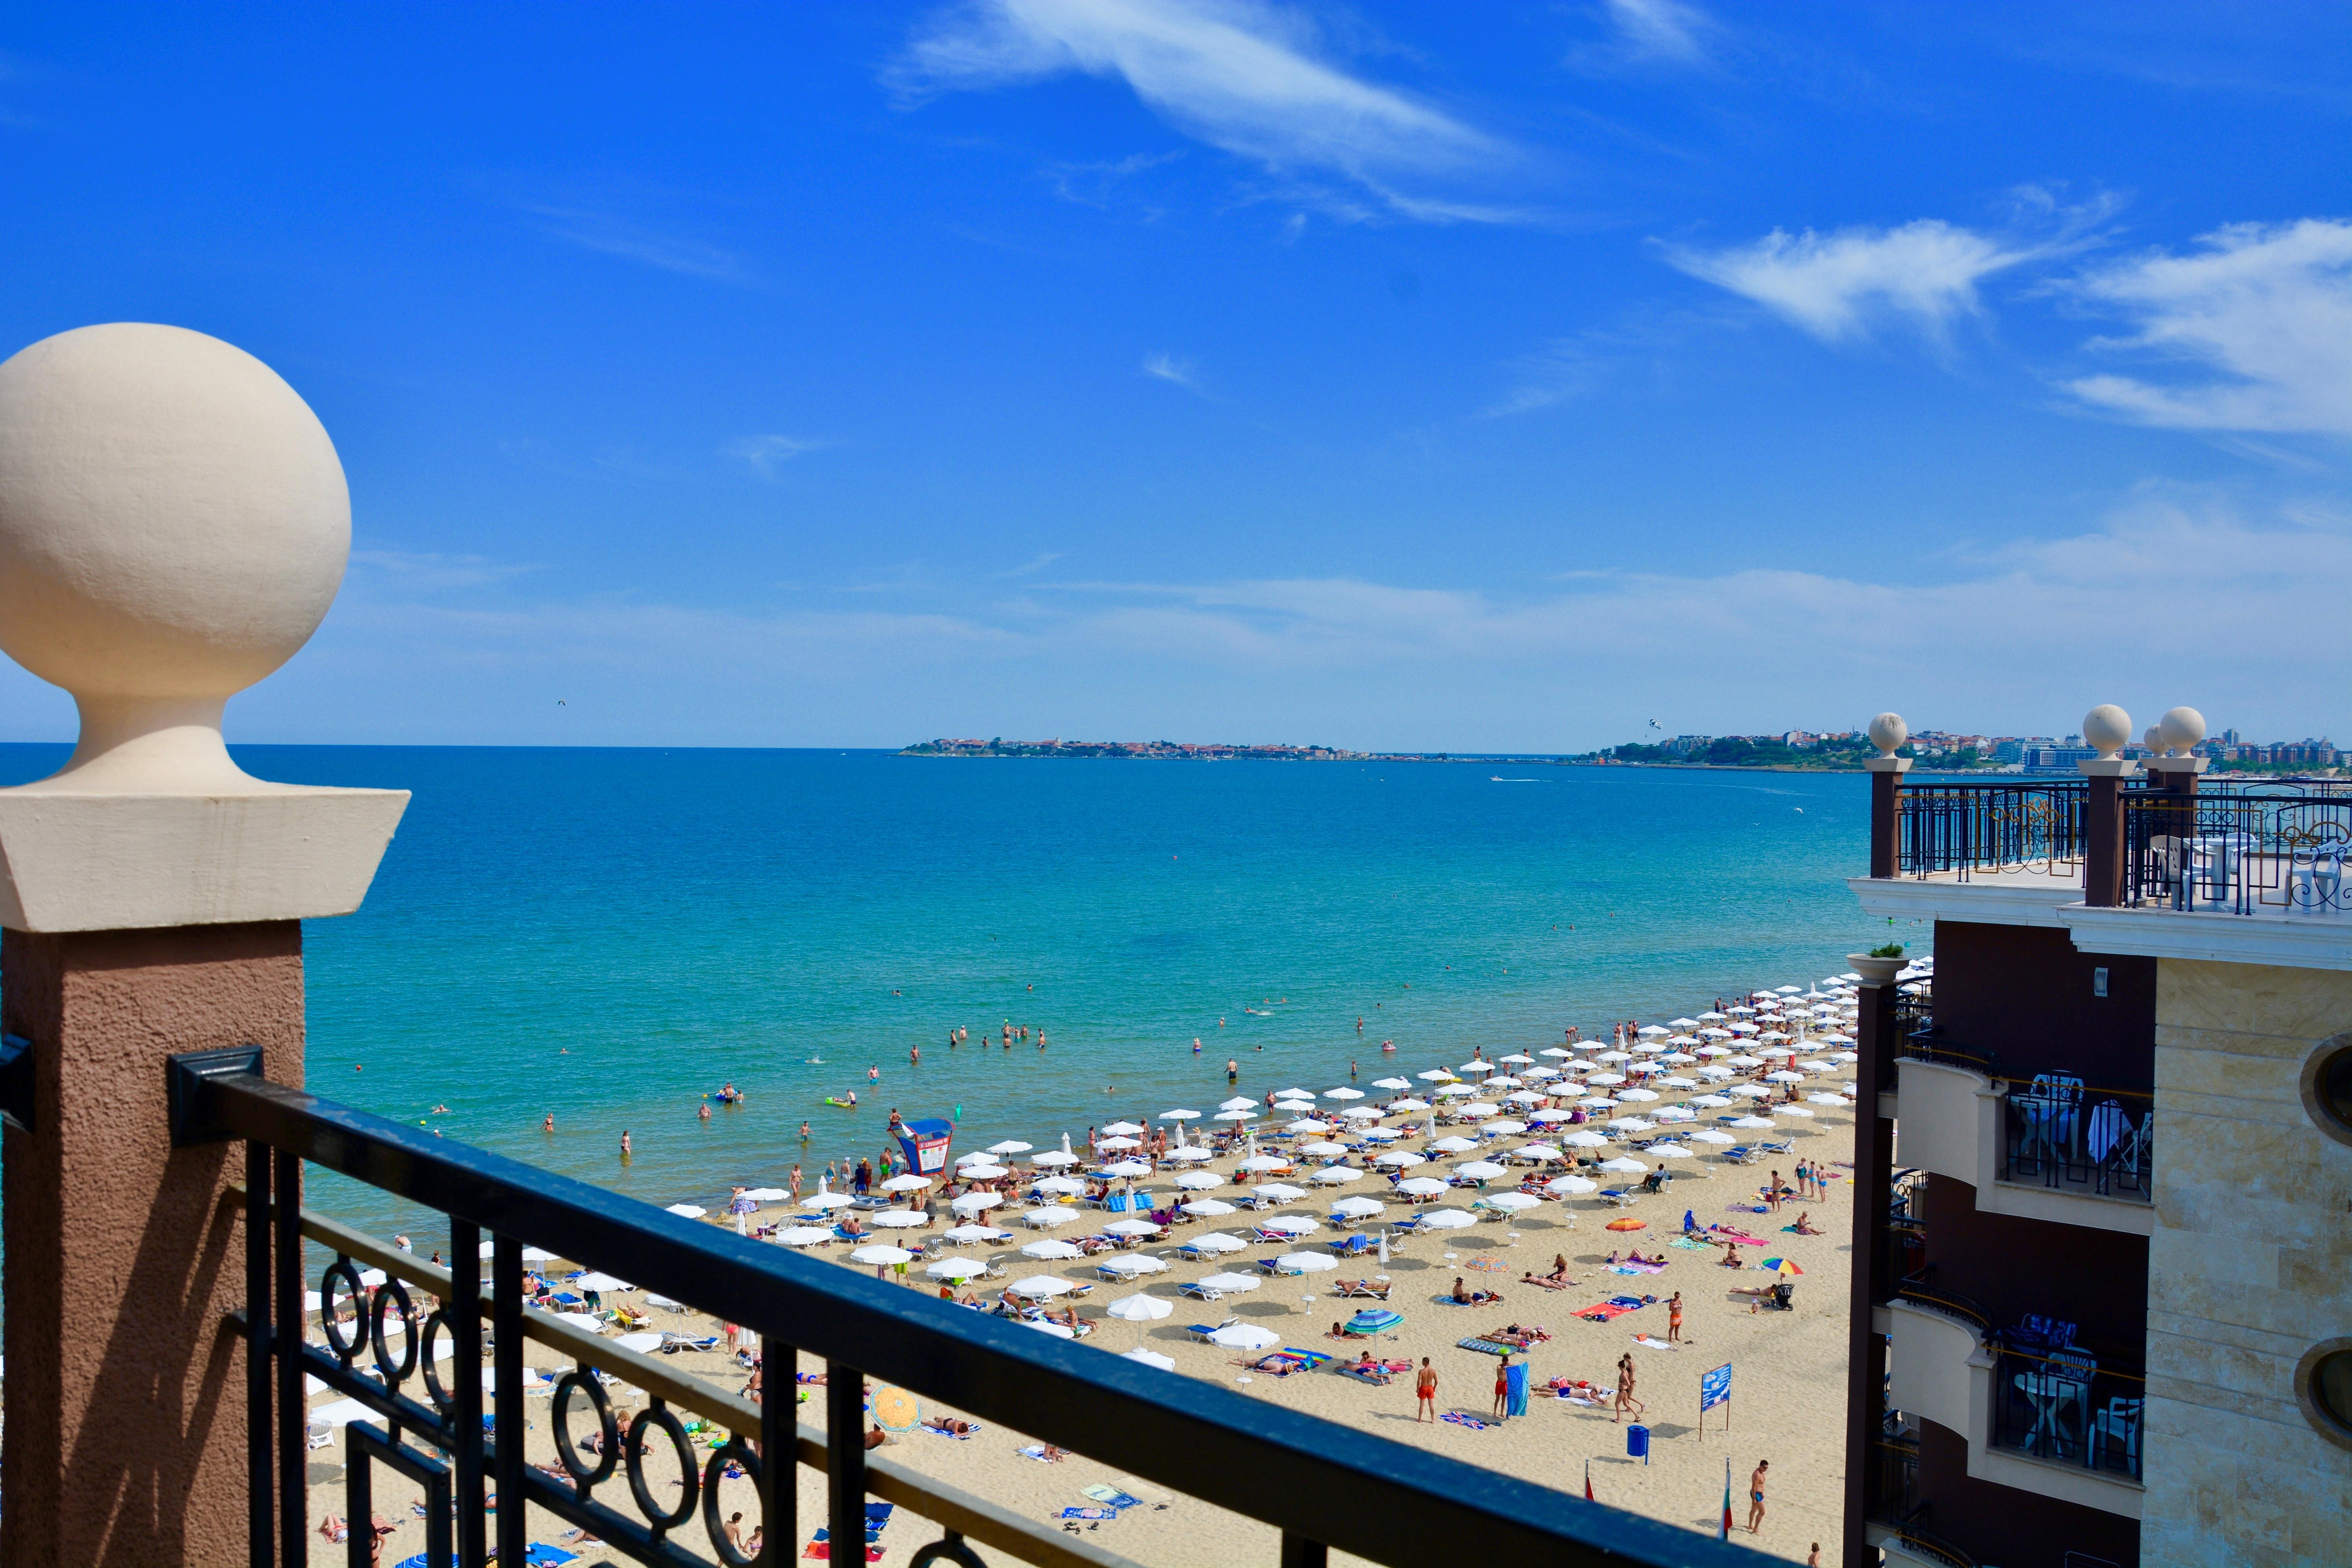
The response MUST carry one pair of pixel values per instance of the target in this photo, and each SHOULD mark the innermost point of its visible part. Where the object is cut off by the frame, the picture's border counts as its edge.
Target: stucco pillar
(126, 1396)
(2107, 728)
(173, 524)
(1887, 732)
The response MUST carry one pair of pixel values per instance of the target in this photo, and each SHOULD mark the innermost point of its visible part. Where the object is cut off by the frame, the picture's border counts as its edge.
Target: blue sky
(1504, 375)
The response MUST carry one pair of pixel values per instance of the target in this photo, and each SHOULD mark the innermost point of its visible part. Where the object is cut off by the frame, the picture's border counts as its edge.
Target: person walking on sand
(1772, 1193)
(1502, 1384)
(1756, 1496)
(1674, 1319)
(1424, 1393)
(1625, 1400)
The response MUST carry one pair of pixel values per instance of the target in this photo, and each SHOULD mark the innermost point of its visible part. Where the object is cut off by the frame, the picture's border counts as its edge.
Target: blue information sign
(1714, 1387)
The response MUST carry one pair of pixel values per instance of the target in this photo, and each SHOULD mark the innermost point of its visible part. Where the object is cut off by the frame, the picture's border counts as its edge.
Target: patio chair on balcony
(2117, 1424)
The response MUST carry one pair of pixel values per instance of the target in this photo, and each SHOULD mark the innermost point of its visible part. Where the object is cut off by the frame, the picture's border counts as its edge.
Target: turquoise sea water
(611, 934)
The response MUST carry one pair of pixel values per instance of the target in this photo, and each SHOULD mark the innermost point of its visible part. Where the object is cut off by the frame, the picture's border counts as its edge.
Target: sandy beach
(1788, 1403)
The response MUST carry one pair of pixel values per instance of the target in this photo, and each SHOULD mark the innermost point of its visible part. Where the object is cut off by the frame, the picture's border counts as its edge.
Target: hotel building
(2103, 1290)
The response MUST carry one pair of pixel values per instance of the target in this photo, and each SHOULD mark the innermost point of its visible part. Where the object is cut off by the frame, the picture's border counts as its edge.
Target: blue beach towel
(1515, 1389)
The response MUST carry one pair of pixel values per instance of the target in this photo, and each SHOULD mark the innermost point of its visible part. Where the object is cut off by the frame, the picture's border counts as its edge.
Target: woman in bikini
(1625, 1400)
(1674, 1319)
(1424, 1393)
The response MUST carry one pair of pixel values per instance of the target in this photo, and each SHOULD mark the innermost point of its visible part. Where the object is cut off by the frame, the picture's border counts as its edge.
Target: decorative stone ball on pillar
(2106, 729)
(173, 525)
(1887, 732)
(2182, 728)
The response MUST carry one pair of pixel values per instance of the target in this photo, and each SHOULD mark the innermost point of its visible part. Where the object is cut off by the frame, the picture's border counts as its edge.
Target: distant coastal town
(1788, 750)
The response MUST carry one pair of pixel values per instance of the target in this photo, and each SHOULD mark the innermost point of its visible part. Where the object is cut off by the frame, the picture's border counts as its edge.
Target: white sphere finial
(173, 526)
(1887, 732)
(2107, 728)
(2183, 729)
(2153, 739)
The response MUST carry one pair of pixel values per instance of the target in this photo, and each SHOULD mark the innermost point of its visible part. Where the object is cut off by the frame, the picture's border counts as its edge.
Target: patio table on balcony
(2051, 1393)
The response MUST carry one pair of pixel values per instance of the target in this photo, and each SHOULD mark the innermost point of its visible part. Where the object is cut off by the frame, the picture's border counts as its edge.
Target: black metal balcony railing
(1321, 1484)
(2067, 1408)
(2069, 1137)
(2277, 848)
(1992, 825)
(1920, 1290)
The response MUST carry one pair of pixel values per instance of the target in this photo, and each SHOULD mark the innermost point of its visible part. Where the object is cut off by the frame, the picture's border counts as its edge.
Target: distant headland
(1180, 751)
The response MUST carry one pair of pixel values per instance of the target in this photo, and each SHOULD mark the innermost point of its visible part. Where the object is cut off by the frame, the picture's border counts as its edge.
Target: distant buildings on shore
(1943, 752)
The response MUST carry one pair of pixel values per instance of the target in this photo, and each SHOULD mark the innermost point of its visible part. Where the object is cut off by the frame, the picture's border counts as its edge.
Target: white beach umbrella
(1236, 1116)
(1420, 1186)
(882, 1257)
(766, 1194)
(1218, 1241)
(1452, 1145)
(1130, 1228)
(1625, 1167)
(899, 1219)
(600, 1283)
(1674, 1113)
(1047, 1218)
(1403, 1158)
(1337, 1176)
(1607, 1078)
(1363, 1113)
(1750, 1092)
(1115, 1145)
(1550, 1114)
(1509, 1203)
(1637, 1094)
(1562, 1186)
(1408, 1105)
(1712, 1135)
(1392, 1083)
(1716, 1075)
(1536, 1152)
(1667, 1152)
(1710, 1101)
(1358, 1208)
(1525, 1096)
(1746, 1062)
(1263, 1163)
(1150, 1358)
(1582, 1139)
(1380, 1134)
(689, 1211)
(1500, 1080)
(909, 1183)
(1290, 1224)
(1050, 1250)
(1556, 1052)
(1238, 1102)
(985, 1173)
(1516, 1059)
(1751, 1121)
(1121, 1130)
(1134, 1263)
(1206, 1208)
(971, 1233)
(1784, 1076)
(1190, 1153)
(1230, 1284)
(1277, 1192)
(1070, 1185)
(1447, 1219)
(804, 1236)
(1200, 1180)
(1327, 1150)
(1010, 1146)
(1456, 1090)
(1040, 1287)
(1054, 1157)
(1306, 1125)
(956, 1269)
(1343, 1093)
(1179, 1115)
(1630, 1124)
(1480, 1170)
(1044, 1326)
(1502, 1127)
(1836, 1099)
(1436, 1075)
(1129, 1168)
(1796, 1110)
(1245, 1336)
(1306, 1262)
(1141, 1308)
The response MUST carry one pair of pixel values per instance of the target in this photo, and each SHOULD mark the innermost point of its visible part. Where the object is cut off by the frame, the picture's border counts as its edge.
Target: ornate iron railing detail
(1321, 1484)
(2275, 848)
(2069, 1137)
(1993, 825)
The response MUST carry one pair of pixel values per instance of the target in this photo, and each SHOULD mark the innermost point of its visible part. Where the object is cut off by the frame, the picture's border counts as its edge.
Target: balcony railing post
(181, 523)
(261, 1485)
(463, 1313)
(845, 1443)
(293, 1455)
(1887, 815)
(506, 1378)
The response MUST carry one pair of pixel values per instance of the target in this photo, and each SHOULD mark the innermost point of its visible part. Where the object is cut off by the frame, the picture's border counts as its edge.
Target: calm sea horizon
(610, 935)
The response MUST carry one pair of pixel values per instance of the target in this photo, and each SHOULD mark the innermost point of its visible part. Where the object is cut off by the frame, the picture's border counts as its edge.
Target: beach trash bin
(1637, 1442)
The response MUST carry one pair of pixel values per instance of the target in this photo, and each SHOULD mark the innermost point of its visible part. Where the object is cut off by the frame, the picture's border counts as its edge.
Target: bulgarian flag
(1724, 1532)
(1588, 1480)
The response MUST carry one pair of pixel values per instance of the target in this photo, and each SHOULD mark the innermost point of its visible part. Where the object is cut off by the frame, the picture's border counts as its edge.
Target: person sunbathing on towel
(1468, 1297)
(1731, 1256)
(951, 1426)
(1804, 1225)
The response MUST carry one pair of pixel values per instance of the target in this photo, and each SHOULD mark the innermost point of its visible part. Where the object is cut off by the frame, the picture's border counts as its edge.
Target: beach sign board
(1714, 1389)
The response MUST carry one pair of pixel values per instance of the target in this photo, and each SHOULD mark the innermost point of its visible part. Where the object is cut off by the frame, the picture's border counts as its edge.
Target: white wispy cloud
(766, 454)
(612, 236)
(1168, 367)
(2258, 316)
(2021, 636)
(1661, 30)
(1240, 75)
(1840, 285)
